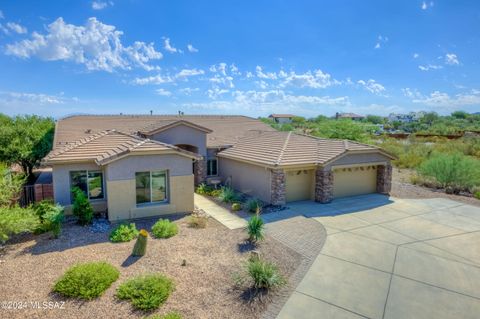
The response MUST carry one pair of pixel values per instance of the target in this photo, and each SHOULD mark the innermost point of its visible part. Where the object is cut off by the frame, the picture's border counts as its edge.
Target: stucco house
(140, 166)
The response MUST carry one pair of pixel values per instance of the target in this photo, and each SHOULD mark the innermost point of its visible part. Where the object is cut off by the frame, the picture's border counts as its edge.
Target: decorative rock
(184, 263)
(384, 179)
(200, 171)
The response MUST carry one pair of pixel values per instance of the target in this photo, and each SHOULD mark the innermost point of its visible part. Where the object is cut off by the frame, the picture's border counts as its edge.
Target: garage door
(350, 181)
(299, 185)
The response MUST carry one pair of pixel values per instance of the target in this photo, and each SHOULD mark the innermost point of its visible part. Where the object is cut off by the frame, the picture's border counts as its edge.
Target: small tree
(10, 186)
(82, 207)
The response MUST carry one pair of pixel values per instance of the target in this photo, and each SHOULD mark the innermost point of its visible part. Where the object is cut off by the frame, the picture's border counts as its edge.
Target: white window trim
(167, 190)
(88, 186)
(211, 159)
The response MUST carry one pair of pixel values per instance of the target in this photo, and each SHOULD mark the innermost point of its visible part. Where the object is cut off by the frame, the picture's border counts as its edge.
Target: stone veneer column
(384, 179)
(278, 187)
(200, 171)
(323, 185)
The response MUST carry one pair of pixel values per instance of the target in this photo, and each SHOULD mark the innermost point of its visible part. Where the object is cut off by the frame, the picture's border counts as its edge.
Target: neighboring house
(406, 118)
(140, 166)
(281, 118)
(351, 116)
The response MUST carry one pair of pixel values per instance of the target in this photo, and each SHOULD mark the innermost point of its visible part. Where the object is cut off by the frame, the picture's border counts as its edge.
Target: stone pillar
(384, 179)
(200, 171)
(323, 185)
(278, 187)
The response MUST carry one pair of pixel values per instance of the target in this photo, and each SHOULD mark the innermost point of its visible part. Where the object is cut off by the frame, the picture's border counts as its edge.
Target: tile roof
(288, 148)
(281, 115)
(227, 129)
(106, 146)
(166, 124)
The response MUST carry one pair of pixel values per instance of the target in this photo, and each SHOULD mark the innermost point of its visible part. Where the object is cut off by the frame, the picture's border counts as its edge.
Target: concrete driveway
(391, 258)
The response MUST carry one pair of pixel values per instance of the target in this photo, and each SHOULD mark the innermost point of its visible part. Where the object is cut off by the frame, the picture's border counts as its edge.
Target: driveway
(390, 258)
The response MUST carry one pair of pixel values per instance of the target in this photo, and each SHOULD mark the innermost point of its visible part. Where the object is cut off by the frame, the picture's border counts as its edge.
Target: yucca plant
(255, 229)
(253, 205)
(227, 195)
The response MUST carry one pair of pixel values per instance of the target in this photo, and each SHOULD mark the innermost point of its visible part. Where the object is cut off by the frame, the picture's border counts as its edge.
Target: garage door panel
(350, 181)
(299, 185)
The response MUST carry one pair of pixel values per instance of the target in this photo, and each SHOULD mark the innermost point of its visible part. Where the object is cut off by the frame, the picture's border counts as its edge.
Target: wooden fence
(35, 193)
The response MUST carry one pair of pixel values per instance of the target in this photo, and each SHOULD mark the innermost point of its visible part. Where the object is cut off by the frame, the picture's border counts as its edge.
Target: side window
(151, 187)
(212, 167)
(90, 182)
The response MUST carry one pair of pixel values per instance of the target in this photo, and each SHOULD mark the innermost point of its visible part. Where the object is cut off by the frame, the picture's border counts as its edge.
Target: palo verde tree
(25, 140)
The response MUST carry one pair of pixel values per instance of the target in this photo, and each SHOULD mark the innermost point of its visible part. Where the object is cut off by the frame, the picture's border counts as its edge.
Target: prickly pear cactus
(140, 247)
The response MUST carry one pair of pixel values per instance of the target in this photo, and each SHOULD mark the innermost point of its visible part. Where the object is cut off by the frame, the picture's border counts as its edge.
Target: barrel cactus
(140, 247)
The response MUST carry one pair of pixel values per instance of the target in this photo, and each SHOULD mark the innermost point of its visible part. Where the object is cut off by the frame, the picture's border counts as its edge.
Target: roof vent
(88, 131)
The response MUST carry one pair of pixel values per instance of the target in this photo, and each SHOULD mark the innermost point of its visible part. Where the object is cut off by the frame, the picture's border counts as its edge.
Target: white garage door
(299, 185)
(350, 181)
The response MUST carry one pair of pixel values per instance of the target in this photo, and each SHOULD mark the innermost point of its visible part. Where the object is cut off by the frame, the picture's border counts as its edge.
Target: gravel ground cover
(30, 265)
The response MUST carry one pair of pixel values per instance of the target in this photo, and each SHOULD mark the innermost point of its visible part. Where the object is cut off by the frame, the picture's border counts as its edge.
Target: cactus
(140, 247)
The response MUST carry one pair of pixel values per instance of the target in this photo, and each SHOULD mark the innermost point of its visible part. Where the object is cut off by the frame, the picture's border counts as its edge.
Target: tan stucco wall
(120, 177)
(61, 185)
(122, 203)
(359, 159)
(246, 178)
(184, 134)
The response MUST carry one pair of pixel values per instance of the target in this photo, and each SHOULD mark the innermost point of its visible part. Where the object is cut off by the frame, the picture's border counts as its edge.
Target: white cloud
(1, 15)
(411, 93)
(156, 79)
(416, 55)
(444, 100)
(216, 92)
(380, 41)
(33, 98)
(192, 49)
(15, 27)
(189, 72)
(163, 92)
(188, 91)
(451, 59)
(100, 5)
(168, 47)
(425, 5)
(429, 67)
(372, 86)
(267, 76)
(316, 79)
(96, 45)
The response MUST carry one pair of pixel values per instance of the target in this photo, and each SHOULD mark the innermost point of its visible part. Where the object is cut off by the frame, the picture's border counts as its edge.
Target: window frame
(167, 189)
(88, 186)
(216, 166)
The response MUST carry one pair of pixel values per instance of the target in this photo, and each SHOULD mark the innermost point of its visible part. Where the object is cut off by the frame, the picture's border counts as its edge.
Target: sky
(248, 57)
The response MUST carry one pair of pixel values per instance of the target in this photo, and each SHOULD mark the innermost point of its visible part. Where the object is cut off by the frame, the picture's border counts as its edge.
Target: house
(406, 118)
(351, 116)
(281, 118)
(141, 166)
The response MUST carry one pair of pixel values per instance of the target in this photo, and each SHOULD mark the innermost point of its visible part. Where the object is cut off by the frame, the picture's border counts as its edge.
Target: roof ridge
(283, 148)
(82, 141)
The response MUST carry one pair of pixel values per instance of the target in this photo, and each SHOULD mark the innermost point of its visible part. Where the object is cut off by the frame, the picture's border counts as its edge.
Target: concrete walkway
(222, 215)
(391, 258)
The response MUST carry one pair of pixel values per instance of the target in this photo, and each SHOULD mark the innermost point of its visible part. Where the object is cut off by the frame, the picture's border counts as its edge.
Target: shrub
(227, 195)
(203, 189)
(197, 221)
(51, 217)
(260, 274)
(164, 228)
(86, 281)
(255, 229)
(10, 185)
(215, 192)
(170, 315)
(82, 207)
(455, 171)
(123, 233)
(236, 207)
(253, 205)
(140, 247)
(146, 292)
(477, 195)
(16, 220)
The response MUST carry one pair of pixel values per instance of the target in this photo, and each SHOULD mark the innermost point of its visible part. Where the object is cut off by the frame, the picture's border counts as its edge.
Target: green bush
(253, 205)
(203, 189)
(124, 233)
(477, 195)
(170, 315)
(260, 274)
(164, 228)
(82, 207)
(227, 195)
(255, 229)
(16, 220)
(146, 292)
(455, 171)
(51, 217)
(10, 185)
(86, 281)
(197, 221)
(236, 207)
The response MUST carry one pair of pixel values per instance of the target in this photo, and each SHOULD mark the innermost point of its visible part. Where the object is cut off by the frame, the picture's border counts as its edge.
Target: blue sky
(239, 57)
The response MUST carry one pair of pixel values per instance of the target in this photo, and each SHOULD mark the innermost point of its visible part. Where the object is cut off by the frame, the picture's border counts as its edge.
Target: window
(90, 182)
(212, 167)
(151, 187)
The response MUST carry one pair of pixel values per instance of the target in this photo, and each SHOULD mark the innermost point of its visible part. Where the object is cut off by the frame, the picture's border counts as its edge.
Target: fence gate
(35, 193)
